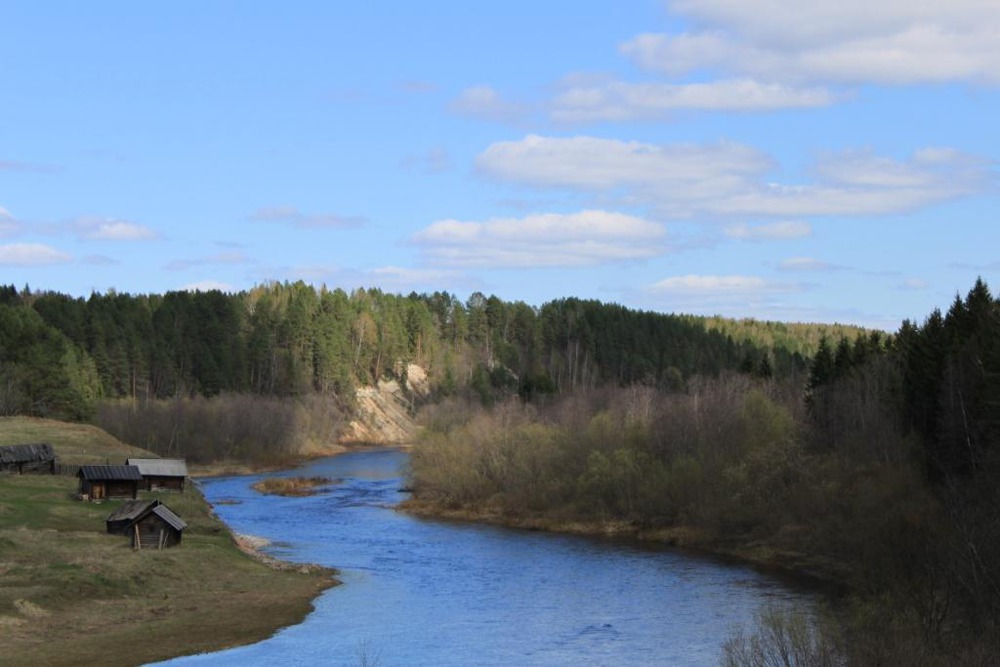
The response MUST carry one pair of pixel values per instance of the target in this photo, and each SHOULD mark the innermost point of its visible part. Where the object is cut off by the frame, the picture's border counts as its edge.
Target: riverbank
(72, 594)
(762, 555)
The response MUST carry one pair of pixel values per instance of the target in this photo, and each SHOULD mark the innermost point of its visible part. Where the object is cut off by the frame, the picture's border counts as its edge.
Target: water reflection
(422, 592)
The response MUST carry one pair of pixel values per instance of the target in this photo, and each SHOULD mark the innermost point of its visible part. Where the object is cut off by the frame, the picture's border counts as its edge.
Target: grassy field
(71, 594)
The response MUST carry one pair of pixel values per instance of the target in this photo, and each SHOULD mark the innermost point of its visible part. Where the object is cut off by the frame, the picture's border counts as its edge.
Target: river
(425, 592)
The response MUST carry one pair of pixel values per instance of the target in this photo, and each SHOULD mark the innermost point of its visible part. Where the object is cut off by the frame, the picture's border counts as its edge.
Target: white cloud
(830, 41)
(806, 264)
(290, 215)
(485, 103)
(789, 229)
(109, 229)
(702, 284)
(621, 101)
(586, 238)
(725, 179)
(589, 163)
(31, 254)
(913, 284)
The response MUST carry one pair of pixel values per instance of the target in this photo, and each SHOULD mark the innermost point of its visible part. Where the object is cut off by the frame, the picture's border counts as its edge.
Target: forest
(62, 356)
(877, 470)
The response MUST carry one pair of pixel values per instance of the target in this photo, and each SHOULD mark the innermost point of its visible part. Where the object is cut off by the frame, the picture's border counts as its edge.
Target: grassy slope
(72, 594)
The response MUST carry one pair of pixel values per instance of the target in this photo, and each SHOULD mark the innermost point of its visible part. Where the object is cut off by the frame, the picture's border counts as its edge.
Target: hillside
(71, 594)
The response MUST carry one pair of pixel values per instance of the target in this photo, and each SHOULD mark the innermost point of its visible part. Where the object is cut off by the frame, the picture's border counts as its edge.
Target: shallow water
(424, 592)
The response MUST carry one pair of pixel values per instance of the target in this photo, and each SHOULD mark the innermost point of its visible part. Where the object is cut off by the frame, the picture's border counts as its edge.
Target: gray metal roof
(164, 513)
(126, 473)
(26, 453)
(131, 510)
(160, 467)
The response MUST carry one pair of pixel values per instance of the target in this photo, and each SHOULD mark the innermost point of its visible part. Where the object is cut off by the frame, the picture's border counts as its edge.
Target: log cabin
(20, 459)
(161, 474)
(149, 524)
(100, 482)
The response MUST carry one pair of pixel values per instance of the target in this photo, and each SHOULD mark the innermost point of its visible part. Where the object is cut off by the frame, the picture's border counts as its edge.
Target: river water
(425, 592)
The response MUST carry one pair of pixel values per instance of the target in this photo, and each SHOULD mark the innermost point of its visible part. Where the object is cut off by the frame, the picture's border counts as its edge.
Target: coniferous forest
(59, 355)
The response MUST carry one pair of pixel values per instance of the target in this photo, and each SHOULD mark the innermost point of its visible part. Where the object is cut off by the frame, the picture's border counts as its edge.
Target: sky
(829, 161)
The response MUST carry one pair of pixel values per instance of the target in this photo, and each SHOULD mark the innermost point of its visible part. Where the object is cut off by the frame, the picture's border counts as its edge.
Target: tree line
(60, 354)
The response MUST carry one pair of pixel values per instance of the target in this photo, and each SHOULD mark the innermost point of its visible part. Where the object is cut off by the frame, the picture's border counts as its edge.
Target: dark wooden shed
(161, 474)
(98, 482)
(20, 459)
(149, 524)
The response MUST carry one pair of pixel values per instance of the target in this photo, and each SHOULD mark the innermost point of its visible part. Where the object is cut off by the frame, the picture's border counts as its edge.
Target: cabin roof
(26, 453)
(107, 472)
(164, 513)
(131, 510)
(160, 467)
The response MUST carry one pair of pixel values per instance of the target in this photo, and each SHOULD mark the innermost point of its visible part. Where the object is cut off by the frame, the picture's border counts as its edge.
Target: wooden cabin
(19, 459)
(100, 482)
(149, 524)
(161, 474)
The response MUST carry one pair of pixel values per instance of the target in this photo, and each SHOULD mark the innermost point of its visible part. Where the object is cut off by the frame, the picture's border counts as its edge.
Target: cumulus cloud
(702, 284)
(788, 229)
(830, 41)
(290, 215)
(110, 229)
(31, 254)
(623, 101)
(485, 103)
(587, 238)
(589, 163)
(726, 179)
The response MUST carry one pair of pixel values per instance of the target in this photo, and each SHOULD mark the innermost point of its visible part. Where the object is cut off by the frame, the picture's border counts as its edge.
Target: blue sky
(835, 162)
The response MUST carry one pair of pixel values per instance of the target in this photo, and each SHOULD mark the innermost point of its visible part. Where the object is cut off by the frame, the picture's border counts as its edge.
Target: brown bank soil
(71, 594)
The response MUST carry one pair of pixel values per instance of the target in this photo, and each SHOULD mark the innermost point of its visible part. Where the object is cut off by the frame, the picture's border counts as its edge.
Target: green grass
(72, 594)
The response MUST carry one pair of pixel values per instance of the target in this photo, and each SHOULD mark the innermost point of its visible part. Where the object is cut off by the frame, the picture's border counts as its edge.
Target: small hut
(28, 458)
(149, 523)
(161, 474)
(98, 482)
